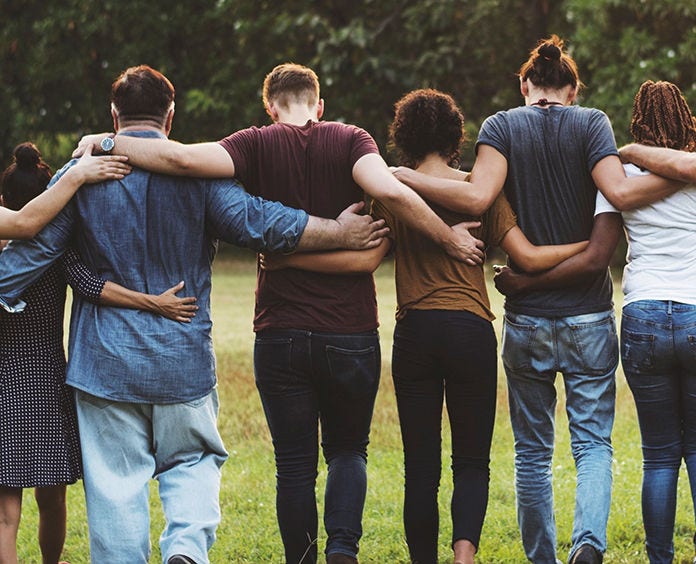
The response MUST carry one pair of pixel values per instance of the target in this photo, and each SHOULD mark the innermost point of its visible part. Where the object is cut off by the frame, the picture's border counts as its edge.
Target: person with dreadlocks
(659, 311)
(659, 317)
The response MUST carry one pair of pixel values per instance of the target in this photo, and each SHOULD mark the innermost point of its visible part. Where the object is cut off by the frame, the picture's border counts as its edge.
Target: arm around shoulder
(200, 160)
(670, 163)
(630, 193)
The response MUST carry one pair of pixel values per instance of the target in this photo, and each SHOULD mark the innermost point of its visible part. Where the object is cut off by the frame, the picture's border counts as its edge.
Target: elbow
(25, 228)
(685, 170)
(621, 199)
(478, 205)
(180, 162)
(529, 265)
(594, 265)
(368, 266)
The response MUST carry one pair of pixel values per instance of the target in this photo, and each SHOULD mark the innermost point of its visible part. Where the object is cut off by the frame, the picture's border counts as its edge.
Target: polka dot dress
(39, 442)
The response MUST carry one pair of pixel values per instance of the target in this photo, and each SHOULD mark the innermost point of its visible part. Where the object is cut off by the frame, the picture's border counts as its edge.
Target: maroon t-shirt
(308, 167)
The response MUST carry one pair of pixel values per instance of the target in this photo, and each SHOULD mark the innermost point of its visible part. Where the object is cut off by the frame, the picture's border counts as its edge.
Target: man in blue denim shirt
(145, 386)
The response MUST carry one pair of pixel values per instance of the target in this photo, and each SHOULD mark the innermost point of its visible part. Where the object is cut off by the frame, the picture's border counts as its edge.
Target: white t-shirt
(661, 258)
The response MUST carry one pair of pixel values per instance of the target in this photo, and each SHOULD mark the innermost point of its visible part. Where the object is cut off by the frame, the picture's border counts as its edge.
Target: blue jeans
(658, 353)
(584, 349)
(124, 445)
(442, 354)
(305, 378)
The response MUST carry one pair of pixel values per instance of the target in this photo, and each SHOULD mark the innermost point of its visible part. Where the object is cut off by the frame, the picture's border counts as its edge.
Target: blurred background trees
(59, 57)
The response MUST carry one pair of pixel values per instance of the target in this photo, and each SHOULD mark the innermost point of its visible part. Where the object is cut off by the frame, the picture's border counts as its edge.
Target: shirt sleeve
(493, 133)
(498, 220)
(601, 142)
(363, 144)
(602, 205)
(241, 146)
(252, 222)
(379, 211)
(81, 279)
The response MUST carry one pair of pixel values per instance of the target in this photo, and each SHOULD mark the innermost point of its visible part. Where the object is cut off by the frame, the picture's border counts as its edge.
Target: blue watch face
(107, 144)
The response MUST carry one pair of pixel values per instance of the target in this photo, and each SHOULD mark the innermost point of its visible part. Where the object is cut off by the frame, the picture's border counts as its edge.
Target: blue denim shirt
(148, 232)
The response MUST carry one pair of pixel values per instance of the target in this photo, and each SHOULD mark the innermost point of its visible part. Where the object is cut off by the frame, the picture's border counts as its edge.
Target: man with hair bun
(550, 156)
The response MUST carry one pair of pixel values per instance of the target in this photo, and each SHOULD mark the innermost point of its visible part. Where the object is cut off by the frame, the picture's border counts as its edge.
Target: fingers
(470, 224)
(174, 289)
(381, 233)
(82, 148)
(354, 208)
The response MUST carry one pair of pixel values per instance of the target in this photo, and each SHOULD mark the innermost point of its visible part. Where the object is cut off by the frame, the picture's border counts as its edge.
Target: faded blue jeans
(584, 349)
(125, 445)
(658, 353)
(305, 378)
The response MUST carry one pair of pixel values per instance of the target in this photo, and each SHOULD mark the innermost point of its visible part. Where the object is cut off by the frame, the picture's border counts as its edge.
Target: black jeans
(444, 354)
(304, 378)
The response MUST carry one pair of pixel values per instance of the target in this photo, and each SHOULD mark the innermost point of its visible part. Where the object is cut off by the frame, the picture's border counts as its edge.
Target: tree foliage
(58, 58)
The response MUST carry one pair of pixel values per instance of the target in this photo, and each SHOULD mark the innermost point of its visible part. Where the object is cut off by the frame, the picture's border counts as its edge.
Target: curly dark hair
(662, 117)
(427, 121)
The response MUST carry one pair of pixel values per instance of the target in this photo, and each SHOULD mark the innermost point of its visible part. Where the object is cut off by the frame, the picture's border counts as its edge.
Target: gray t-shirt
(551, 153)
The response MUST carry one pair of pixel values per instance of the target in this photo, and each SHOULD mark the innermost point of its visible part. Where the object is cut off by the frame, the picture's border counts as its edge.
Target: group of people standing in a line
(547, 186)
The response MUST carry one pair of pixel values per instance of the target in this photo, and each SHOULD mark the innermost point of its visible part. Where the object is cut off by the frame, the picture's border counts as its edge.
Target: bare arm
(670, 163)
(200, 160)
(336, 262)
(594, 260)
(373, 175)
(27, 222)
(630, 193)
(473, 197)
(535, 258)
(166, 304)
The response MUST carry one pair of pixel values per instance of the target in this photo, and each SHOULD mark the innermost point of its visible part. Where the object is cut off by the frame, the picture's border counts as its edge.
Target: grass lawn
(248, 533)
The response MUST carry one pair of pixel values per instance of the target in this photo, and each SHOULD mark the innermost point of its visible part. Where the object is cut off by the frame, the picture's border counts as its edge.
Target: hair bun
(27, 156)
(550, 51)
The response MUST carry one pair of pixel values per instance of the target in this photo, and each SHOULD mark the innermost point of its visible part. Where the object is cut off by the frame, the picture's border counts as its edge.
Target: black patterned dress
(39, 441)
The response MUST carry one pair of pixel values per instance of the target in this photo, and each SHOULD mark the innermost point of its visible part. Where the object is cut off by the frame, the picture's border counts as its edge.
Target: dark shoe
(180, 559)
(587, 554)
(339, 558)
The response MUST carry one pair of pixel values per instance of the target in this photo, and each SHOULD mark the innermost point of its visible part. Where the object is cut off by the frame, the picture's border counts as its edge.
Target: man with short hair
(145, 387)
(317, 354)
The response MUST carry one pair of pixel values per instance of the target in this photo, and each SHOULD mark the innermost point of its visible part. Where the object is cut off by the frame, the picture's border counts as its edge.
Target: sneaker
(180, 559)
(587, 554)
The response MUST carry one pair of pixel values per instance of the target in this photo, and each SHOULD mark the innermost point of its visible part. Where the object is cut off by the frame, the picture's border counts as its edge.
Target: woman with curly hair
(444, 343)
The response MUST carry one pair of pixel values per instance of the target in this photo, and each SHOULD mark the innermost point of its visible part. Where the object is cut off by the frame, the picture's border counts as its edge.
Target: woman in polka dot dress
(39, 442)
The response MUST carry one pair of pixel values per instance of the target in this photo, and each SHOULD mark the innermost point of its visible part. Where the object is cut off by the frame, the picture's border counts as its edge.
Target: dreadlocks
(662, 117)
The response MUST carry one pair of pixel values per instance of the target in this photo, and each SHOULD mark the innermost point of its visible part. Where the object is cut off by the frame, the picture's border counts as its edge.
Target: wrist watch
(107, 144)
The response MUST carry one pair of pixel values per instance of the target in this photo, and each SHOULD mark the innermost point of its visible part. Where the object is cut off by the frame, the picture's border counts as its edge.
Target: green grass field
(248, 532)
